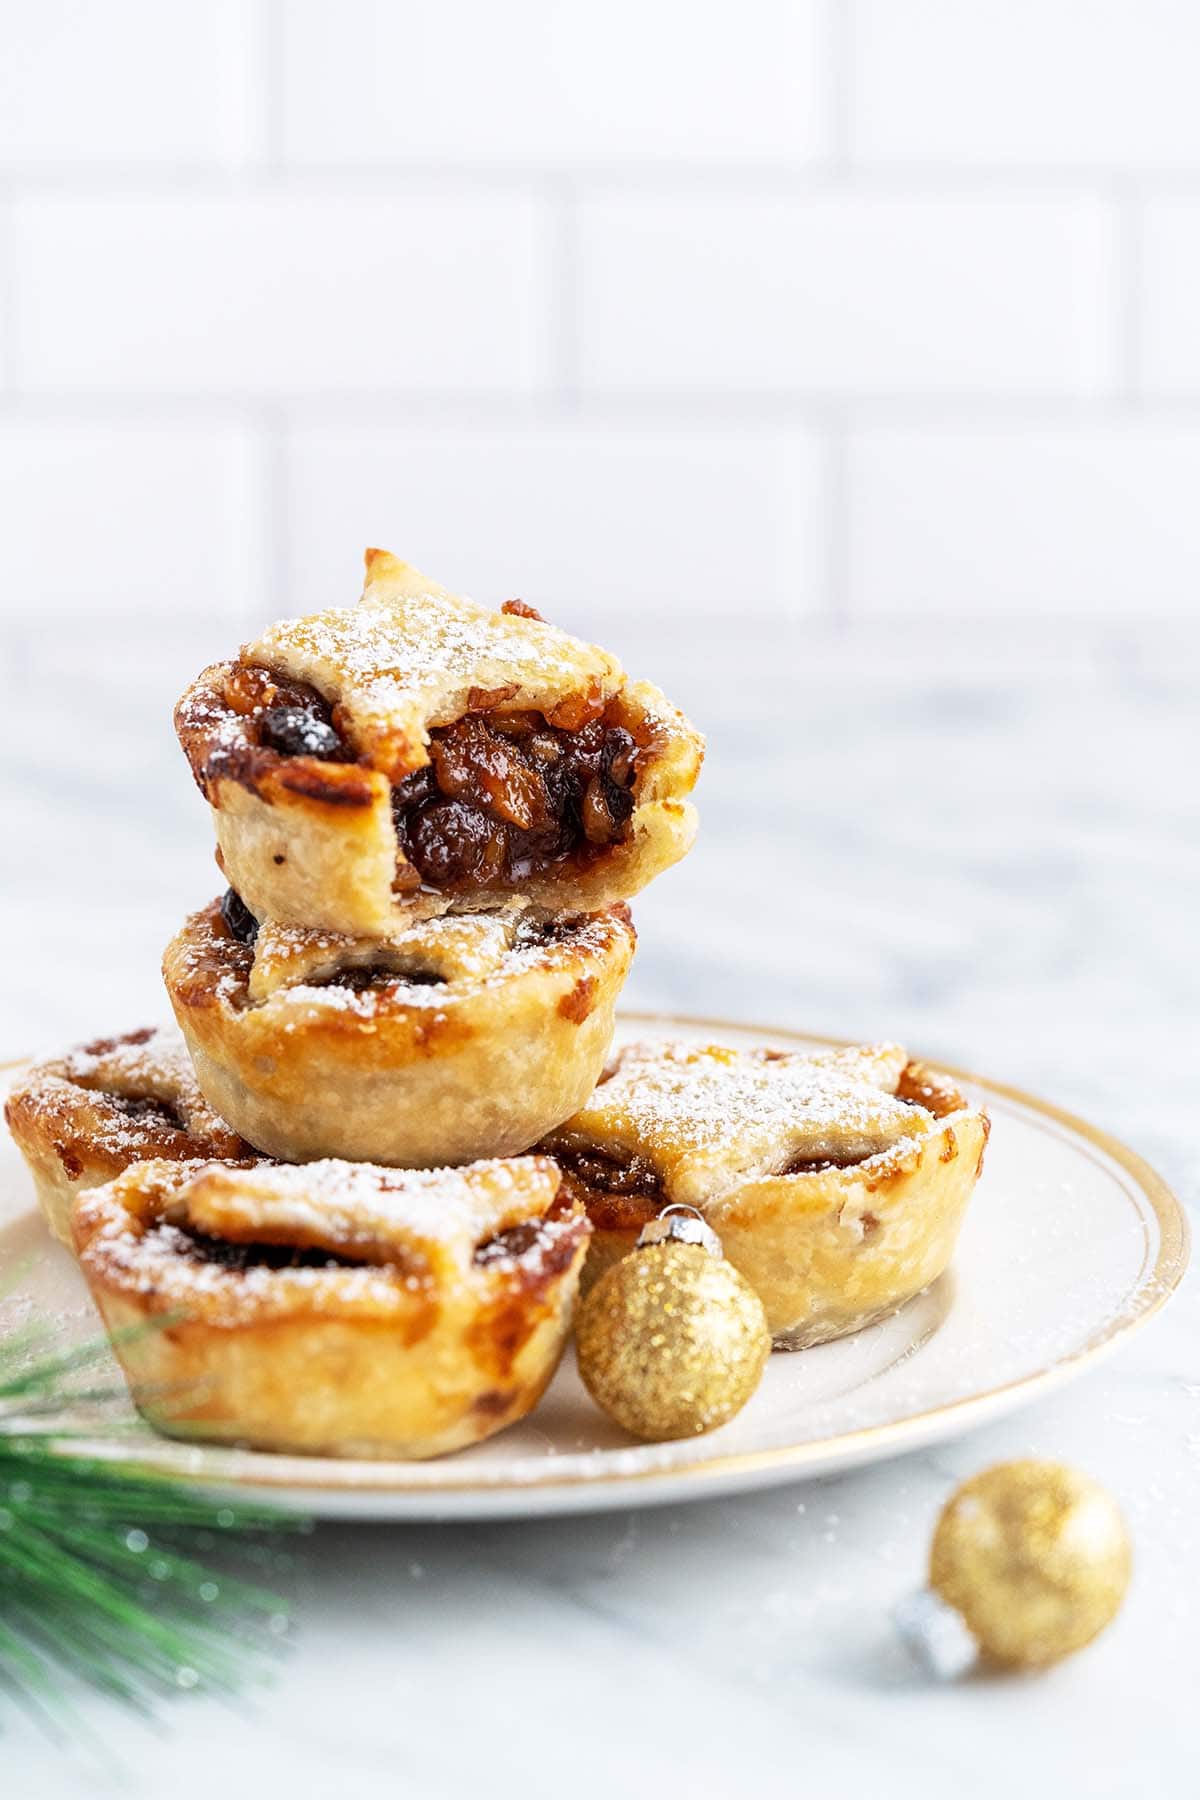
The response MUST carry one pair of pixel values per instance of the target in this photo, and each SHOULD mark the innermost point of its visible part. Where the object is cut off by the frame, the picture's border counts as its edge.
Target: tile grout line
(839, 25)
(9, 294)
(666, 178)
(269, 34)
(752, 409)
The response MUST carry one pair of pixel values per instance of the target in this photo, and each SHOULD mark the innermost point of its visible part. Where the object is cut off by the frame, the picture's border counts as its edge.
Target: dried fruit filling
(508, 795)
(197, 1246)
(156, 1114)
(239, 920)
(619, 1195)
(504, 796)
(554, 1237)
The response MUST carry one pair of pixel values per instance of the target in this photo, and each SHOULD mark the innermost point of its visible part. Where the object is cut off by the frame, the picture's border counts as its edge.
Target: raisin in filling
(299, 730)
(240, 921)
(298, 722)
(289, 717)
(506, 796)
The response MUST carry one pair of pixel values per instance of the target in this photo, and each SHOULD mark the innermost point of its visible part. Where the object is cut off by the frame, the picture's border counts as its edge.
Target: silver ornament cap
(680, 1225)
(935, 1635)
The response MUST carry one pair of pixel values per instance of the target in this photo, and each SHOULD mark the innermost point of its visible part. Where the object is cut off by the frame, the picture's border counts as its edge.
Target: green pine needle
(101, 1578)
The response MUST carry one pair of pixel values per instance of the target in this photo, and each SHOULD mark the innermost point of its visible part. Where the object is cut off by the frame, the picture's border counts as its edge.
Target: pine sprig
(101, 1581)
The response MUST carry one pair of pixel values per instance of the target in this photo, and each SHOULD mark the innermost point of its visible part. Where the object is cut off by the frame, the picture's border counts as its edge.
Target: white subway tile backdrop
(737, 335)
(1089, 521)
(845, 294)
(127, 517)
(585, 519)
(1088, 84)
(131, 81)
(808, 297)
(281, 294)
(540, 82)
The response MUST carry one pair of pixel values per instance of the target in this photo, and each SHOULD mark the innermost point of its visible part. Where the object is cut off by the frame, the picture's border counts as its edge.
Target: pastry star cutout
(707, 1118)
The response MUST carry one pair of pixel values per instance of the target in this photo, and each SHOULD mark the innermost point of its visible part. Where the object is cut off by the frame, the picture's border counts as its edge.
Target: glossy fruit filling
(506, 796)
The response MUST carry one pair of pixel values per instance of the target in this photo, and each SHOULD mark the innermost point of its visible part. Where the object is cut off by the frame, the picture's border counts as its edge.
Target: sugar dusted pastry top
(705, 1117)
(432, 1219)
(430, 966)
(418, 753)
(455, 947)
(231, 1243)
(411, 656)
(147, 1064)
(116, 1100)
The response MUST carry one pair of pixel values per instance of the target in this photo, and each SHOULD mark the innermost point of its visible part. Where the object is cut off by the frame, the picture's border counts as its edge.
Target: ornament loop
(680, 1224)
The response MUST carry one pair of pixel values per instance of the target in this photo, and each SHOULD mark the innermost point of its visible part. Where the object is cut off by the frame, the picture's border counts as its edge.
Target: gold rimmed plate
(1071, 1243)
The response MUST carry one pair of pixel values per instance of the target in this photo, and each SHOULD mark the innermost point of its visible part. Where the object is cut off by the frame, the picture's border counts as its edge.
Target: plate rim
(1155, 1286)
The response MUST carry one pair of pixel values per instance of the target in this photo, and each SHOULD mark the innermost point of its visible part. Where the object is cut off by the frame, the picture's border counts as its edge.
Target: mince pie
(468, 1035)
(836, 1182)
(80, 1118)
(373, 765)
(335, 1309)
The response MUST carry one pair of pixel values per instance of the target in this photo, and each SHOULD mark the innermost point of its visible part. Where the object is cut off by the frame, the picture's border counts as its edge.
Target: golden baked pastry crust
(836, 1182)
(328, 840)
(483, 1062)
(81, 1118)
(335, 1309)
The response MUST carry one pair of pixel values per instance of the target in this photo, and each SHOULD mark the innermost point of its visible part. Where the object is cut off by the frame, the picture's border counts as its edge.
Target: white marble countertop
(989, 849)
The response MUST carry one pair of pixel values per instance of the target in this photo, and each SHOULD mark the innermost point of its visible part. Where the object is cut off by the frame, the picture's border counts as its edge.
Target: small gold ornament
(1034, 1560)
(671, 1341)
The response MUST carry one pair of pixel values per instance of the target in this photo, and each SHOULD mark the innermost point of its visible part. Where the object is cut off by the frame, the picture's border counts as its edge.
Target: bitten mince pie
(337, 1308)
(464, 1036)
(80, 1118)
(836, 1182)
(417, 753)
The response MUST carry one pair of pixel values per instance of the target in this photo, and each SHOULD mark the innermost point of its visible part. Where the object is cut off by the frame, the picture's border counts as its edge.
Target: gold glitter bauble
(671, 1341)
(1036, 1559)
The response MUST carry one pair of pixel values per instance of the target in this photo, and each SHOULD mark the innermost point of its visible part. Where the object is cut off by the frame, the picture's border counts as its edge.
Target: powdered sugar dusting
(114, 1100)
(415, 1231)
(151, 1062)
(430, 1213)
(407, 657)
(709, 1117)
(426, 967)
(455, 947)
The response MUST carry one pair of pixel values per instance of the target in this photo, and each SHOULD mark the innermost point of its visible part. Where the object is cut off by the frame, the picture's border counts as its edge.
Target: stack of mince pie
(358, 1187)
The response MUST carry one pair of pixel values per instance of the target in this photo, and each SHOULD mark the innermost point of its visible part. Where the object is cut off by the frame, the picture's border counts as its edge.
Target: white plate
(1070, 1244)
